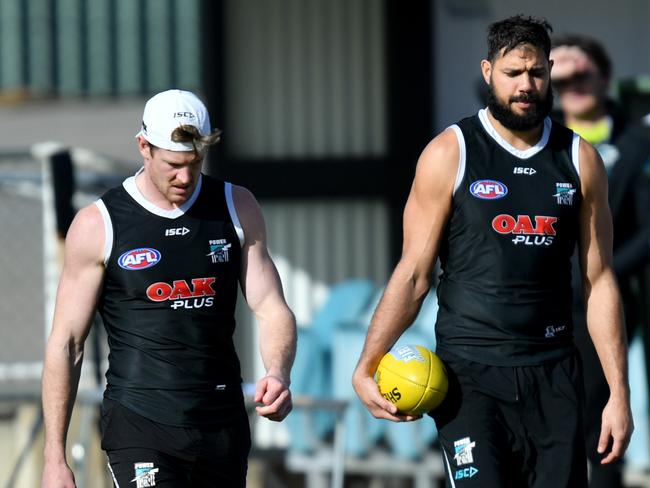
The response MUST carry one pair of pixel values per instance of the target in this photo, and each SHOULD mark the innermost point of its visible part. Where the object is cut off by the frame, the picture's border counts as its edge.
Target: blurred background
(325, 106)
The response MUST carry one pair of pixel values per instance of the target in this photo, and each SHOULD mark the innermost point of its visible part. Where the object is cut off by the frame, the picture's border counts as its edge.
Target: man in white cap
(160, 257)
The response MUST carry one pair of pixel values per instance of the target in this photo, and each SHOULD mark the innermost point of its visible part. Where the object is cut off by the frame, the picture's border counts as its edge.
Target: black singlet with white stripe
(505, 288)
(168, 304)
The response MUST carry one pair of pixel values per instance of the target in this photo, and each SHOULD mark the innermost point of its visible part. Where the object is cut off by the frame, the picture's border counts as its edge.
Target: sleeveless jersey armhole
(575, 153)
(233, 213)
(108, 230)
(460, 174)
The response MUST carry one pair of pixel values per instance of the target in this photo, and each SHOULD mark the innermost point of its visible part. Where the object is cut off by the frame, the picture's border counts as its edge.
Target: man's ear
(144, 147)
(486, 70)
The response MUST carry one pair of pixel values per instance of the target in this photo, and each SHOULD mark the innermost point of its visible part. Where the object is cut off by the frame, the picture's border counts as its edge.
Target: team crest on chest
(564, 193)
(219, 250)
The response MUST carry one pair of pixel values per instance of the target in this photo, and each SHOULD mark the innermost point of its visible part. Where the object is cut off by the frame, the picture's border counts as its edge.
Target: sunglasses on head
(574, 80)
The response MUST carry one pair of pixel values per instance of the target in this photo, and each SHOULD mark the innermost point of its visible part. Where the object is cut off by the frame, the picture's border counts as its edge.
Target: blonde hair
(189, 133)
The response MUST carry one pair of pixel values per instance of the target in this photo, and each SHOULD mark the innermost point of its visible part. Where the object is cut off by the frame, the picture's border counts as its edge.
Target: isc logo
(488, 189)
(180, 231)
(141, 258)
(465, 473)
(518, 170)
(186, 115)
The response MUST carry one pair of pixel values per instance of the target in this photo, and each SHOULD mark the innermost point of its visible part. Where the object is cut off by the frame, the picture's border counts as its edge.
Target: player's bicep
(429, 203)
(259, 278)
(595, 242)
(82, 275)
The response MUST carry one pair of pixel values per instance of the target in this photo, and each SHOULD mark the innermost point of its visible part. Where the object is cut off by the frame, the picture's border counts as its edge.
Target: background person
(581, 76)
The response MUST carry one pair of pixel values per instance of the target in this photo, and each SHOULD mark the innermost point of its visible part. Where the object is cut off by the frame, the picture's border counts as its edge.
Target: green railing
(99, 47)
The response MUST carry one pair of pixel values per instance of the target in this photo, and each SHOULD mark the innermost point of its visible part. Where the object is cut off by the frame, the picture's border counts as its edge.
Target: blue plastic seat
(362, 430)
(347, 301)
(312, 371)
(309, 377)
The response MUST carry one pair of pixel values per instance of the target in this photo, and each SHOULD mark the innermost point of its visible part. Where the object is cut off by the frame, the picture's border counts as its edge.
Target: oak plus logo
(535, 231)
(198, 293)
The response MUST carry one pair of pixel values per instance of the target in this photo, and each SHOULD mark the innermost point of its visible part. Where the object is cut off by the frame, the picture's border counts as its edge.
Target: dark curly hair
(514, 31)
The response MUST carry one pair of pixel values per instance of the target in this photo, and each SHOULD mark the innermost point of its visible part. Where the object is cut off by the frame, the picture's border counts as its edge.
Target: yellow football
(413, 378)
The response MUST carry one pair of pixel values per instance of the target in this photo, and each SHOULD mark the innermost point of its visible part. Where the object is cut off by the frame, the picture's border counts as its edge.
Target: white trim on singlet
(462, 156)
(108, 229)
(521, 154)
(233, 213)
(575, 152)
(133, 190)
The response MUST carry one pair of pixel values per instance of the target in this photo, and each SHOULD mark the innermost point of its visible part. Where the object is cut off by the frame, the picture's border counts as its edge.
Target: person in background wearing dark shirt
(581, 76)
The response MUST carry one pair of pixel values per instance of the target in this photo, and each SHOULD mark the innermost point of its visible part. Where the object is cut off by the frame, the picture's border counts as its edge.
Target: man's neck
(521, 140)
(149, 191)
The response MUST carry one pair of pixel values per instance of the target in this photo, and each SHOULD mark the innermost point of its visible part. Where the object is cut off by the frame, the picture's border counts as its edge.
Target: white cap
(168, 110)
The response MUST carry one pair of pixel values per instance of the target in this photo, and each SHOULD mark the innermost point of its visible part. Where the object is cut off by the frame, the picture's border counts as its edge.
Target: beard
(531, 118)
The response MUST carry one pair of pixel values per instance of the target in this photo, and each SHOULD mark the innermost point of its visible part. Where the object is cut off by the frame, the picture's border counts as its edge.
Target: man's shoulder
(210, 182)
(471, 121)
(114, 191)
(561, 135)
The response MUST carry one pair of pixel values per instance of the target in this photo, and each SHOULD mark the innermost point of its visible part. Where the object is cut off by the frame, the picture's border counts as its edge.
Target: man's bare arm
(425, 216)
(263, 291)
(76, 299)
(603, 302)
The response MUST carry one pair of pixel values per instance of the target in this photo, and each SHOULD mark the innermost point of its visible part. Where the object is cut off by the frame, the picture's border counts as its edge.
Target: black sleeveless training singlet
(168, 304)
(505, 288)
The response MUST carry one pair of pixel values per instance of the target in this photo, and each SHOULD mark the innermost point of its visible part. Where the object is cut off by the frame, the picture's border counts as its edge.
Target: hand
(275, 398)
(379, 407)
(617, 426)
(57, 475)
(568, 61)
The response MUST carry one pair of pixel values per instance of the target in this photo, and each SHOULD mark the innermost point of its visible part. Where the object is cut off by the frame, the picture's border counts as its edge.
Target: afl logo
(488, 189)
(142, 258)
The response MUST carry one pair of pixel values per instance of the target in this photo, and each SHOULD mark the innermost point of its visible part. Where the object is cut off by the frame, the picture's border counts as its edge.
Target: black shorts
(513, 427)
(144, 453)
